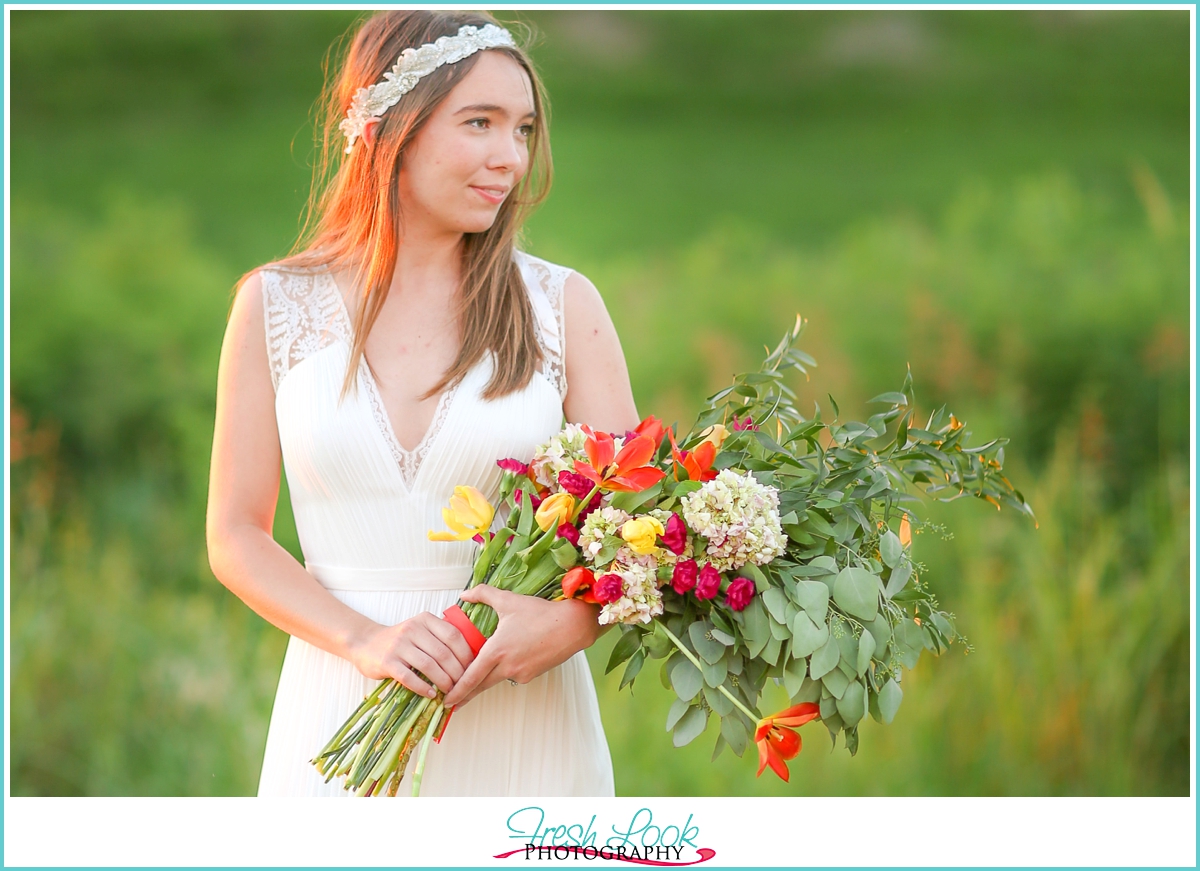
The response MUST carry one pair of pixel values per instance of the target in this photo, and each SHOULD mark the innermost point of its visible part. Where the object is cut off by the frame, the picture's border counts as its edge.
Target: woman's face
(472, 151)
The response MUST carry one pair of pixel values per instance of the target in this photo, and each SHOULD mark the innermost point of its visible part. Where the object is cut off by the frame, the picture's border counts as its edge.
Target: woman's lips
(495, 197)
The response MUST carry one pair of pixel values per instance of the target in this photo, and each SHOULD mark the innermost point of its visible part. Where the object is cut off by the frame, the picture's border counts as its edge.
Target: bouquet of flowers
(759, 545)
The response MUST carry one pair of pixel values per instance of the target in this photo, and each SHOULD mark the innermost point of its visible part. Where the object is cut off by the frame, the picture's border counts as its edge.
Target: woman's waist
(406, 578)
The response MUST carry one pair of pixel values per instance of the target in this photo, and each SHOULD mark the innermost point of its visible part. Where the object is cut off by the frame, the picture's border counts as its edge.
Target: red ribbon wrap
(457, 618)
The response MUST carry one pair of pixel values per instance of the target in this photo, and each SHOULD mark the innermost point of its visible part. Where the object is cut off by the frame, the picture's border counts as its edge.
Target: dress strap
(301, 316)
(545, 282)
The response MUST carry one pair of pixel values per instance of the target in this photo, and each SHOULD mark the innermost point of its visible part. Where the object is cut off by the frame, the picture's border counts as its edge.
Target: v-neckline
(408, 461)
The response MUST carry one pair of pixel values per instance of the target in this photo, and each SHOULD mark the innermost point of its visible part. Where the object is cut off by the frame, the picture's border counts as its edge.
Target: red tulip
(777, 741)
(579, 580)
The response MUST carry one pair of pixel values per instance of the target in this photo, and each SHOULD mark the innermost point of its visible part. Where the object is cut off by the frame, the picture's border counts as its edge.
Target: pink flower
(683, 577)
(577, 485)
(570, 533)
(675, 536)
(740, 592)
(738, 426)
(477, 538)
(514, 466)
(609, 588)
(709, 583)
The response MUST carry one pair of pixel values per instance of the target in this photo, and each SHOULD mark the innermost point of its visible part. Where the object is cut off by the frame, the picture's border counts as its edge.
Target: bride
(404, 348)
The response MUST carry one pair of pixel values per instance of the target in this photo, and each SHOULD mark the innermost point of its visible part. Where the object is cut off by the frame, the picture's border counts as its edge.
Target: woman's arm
(243, 490)
(534, 635)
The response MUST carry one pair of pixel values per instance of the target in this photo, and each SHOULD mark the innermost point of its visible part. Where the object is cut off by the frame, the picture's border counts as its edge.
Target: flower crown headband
(412, 65)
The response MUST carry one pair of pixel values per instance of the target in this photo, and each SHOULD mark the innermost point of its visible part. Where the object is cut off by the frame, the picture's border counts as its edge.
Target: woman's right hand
(425, 643)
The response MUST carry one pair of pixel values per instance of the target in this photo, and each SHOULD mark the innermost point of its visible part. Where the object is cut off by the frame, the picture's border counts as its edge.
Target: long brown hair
(353, 218)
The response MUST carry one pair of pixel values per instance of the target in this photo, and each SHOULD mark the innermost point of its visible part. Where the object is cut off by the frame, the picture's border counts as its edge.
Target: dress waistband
(411, 579)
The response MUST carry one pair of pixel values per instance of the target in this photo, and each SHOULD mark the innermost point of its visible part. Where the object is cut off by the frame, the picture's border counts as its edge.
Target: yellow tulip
(469, 514)
(555, 511)
(716, 434)
(641, 534)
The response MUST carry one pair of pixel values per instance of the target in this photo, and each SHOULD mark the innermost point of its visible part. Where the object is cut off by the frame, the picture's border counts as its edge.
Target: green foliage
(996, 200)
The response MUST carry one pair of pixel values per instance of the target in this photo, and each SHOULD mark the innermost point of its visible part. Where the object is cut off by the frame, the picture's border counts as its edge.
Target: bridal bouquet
(759, 545)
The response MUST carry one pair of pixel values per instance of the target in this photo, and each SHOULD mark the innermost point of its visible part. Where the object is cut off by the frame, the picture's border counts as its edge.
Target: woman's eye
(480, 122)
(526, 130)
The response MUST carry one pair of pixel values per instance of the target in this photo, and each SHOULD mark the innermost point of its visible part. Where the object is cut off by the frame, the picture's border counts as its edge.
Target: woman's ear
(368, 133)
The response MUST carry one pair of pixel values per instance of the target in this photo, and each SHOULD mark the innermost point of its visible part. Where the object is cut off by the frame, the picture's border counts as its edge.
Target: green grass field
(997, 199)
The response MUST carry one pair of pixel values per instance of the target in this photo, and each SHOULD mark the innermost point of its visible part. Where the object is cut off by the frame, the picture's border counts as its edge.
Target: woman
(401, 352)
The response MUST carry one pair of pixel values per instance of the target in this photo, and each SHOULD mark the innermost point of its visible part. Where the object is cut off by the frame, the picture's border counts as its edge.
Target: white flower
(600, 524)
(640, 601)
(740, 519)
(558, 454)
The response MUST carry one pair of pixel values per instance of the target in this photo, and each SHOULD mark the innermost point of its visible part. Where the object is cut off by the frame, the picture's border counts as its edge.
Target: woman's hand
(424, 643)
(532, 637)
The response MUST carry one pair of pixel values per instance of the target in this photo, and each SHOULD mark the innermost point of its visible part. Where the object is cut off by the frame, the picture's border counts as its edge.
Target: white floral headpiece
(413, 64)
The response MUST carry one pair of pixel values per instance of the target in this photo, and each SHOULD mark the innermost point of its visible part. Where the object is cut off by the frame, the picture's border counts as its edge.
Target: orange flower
(579, 580)
(627, 471)
(653, 428)
(905, 531)
(697, 463)
(777, 741)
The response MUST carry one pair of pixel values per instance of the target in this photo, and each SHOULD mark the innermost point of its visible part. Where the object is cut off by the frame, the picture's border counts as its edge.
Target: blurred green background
(997, 198)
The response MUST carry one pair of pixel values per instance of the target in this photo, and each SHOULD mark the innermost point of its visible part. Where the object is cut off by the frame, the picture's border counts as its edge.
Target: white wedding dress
(363, 505)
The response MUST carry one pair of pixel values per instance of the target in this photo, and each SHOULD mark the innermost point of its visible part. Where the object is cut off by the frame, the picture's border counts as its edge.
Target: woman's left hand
(532, 637)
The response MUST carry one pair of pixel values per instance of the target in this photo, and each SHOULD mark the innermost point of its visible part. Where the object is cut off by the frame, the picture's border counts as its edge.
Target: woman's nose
(507, 153)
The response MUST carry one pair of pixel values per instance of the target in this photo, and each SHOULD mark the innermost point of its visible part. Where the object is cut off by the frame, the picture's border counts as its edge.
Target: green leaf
(756, 625)
(779, 631)
(866, 649)
(631, 670)
(881, 631)
(909, 641)
(899, 577)
(723, 637)
(690, 726)
(686, 680)
(709, 649)
(836, 411)
(794, 674)
(678, 709)
(813, 597)
(810, 691)
(623, 649)
(776, 601)
(943, 625)
(735, 732)
(889, 700)
(718, 701)
(890, 549)
(856, 592)
(891, 398)
(852, 741)
(822, 565)
(825, 659)
(770, 653)
(853, 703)
(564, 554)
(720, 745)
(836, 682)
(807, 636)
(664, 673)
(714, 673)
(630, 502)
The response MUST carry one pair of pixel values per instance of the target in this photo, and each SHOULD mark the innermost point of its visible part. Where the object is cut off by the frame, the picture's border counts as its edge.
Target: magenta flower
(709, 583)
(740, 592)
(569, 532)
(514, 466)
(683, 576)
(738, 426)
(608, 588)
(675, 536)
(477, 538)
(577, 485)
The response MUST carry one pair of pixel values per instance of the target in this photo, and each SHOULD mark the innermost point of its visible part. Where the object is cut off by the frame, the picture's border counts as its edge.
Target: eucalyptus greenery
(842, 613)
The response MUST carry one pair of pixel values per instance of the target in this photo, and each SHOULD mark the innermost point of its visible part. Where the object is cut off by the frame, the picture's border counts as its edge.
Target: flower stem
(429, 733)
(692, 658)
(583, 504)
